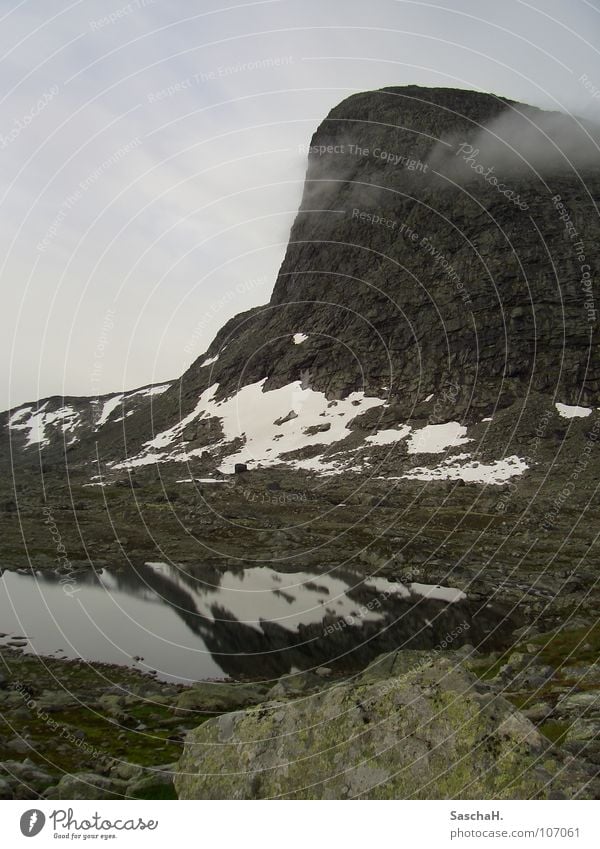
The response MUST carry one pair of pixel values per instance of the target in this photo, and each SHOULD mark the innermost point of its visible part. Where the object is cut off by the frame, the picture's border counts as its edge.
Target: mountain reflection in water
(194, 622)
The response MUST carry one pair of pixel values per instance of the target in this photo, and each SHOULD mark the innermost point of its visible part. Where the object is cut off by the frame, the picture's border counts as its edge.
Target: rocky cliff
(444, 249)
(431, 246)
(445, 245)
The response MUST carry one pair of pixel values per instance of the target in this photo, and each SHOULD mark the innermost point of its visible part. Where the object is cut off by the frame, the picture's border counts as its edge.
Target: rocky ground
(528, 541)
(77, 730)
(530, 716)
(412, 725)
(72, 729)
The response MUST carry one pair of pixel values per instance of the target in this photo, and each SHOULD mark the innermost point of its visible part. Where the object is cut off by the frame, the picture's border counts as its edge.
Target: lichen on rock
(430, 731)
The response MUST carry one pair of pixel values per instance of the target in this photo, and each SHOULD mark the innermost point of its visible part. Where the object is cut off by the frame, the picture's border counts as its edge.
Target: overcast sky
(137, 220)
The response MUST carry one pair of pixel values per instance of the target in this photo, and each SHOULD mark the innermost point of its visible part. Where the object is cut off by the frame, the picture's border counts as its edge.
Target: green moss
(554, 731)
(157, 791)
(406, 737)
(523, 700)
(103, 737)
(569, 646)
(487, 669)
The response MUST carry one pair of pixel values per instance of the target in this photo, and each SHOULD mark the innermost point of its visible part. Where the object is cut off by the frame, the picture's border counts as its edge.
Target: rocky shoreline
(78, 730)
(487, 542)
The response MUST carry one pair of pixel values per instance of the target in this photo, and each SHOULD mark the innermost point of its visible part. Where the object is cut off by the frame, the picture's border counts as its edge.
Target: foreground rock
(208, 697)
(412, 726)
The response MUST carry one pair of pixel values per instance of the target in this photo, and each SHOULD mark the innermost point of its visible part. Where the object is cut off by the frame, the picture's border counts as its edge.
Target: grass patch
(567, 647)
(157, 791)
(554, 731)
(488, 669)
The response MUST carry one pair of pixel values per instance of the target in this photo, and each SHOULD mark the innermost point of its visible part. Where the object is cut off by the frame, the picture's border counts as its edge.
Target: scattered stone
(324, 672)
(53, 701)
(18, 744)
(127, 771)
(582, 675)
(25, 771)
(296, 684)
(291, 415)
(586, 703)
(153, 785)
(88, 785)
(318, 428)
(539, 712)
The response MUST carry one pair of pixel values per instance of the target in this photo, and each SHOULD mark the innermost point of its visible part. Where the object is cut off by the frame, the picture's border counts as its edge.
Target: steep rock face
(446, 243)
(408, 267)
(412, 727)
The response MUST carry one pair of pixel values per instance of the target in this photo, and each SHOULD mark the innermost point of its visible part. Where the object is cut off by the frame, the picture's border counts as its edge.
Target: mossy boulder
(428, 731)
(211, 698)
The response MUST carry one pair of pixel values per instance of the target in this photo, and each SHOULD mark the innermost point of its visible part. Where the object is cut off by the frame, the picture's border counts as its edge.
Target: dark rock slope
(445, 238)
(407, 268)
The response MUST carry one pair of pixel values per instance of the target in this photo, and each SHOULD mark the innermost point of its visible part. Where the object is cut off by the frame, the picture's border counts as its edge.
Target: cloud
(521, 141)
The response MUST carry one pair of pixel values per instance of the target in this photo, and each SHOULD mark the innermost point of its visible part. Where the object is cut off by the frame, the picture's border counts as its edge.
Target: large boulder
(414, 726)
(218, 697)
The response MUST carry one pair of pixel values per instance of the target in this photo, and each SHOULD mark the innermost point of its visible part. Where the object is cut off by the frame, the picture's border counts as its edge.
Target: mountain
(427, 367)
(60, 423)
(439, 269)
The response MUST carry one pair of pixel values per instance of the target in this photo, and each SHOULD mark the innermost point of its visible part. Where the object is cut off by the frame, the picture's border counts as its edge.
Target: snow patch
(200, 480)
(164, 439)
(454, 458)
(152, 390)
(299, 338)
(141, 460)
(567, 411)
(433, 439)
(387, 437)
(437, 592)
(65, 417)
(16, 417)
(109, 406)
(210, 360)
(497, 472)
(252, 413)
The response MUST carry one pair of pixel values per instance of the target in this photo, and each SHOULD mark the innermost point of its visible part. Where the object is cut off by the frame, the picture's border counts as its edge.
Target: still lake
(190, 623)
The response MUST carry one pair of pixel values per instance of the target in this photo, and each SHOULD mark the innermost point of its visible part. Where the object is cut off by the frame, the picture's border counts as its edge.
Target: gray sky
(137, 219)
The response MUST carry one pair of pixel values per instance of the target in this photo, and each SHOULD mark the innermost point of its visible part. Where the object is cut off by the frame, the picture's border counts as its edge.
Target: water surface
(195, 622)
